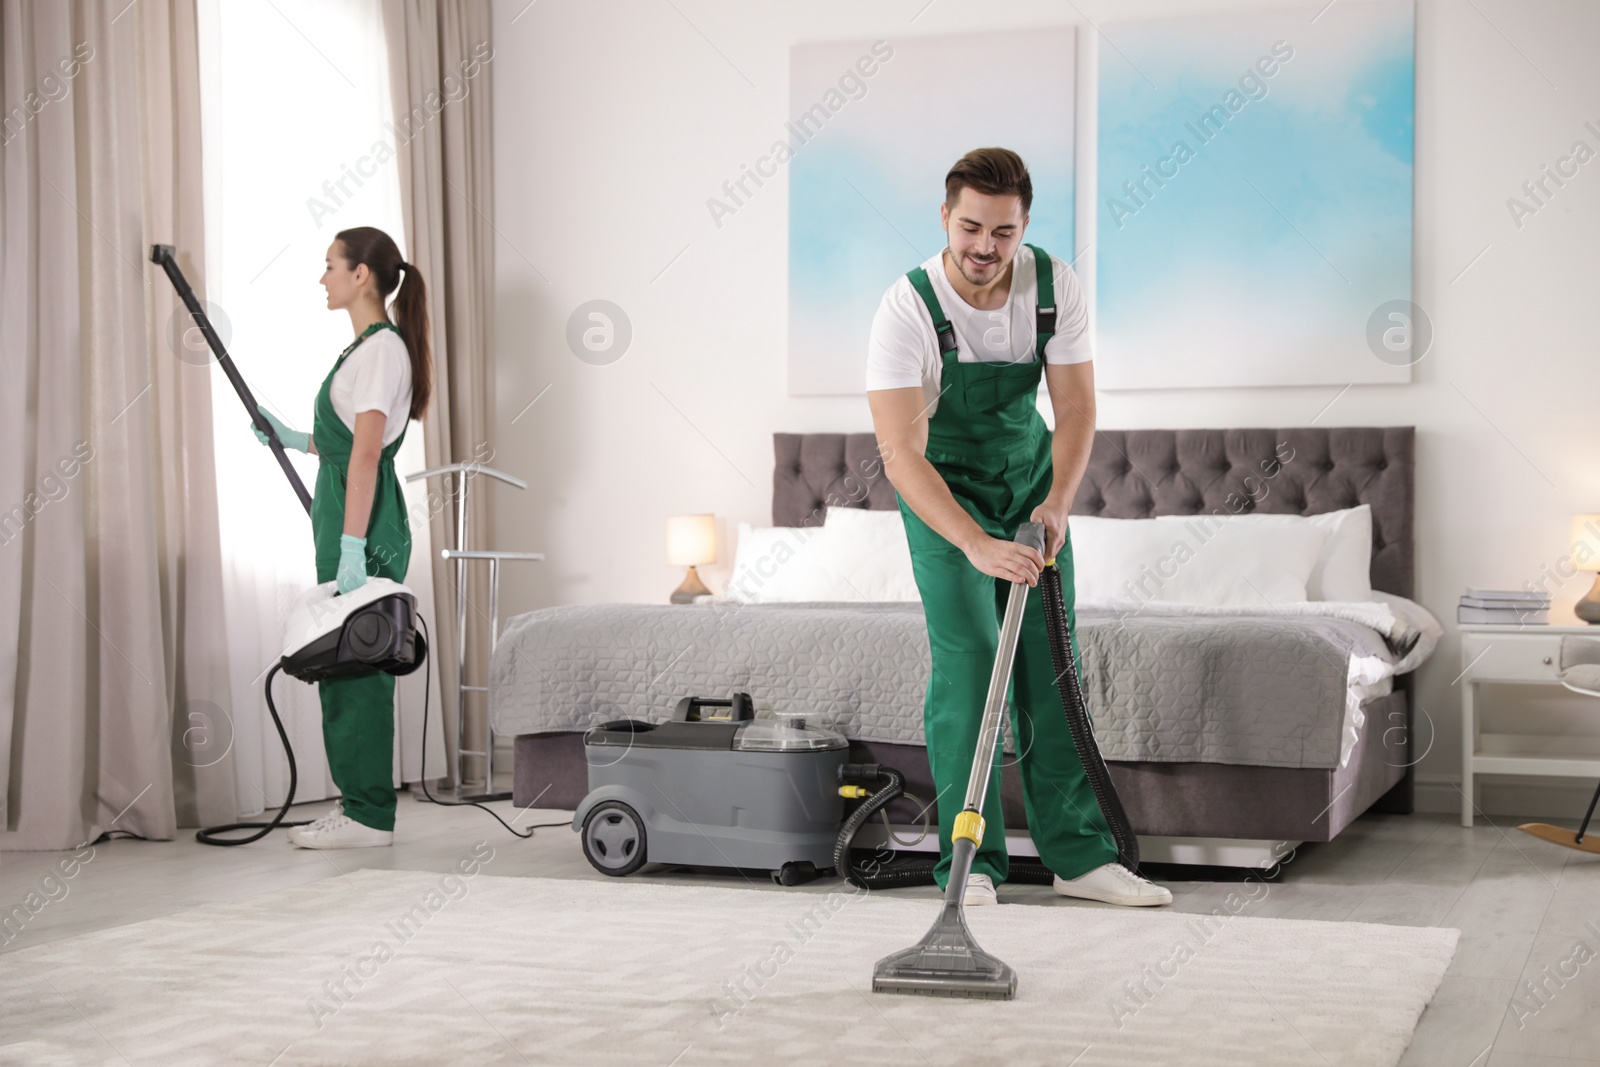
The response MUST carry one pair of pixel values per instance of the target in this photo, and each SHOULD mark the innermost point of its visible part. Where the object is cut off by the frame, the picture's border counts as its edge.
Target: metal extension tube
(947, 962)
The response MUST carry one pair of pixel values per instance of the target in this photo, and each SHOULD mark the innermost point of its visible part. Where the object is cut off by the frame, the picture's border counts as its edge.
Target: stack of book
(1504, 607)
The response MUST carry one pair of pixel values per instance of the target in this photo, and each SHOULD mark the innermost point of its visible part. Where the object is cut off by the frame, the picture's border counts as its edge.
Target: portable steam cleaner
(328, 634)
(719, 786)
(333, 635)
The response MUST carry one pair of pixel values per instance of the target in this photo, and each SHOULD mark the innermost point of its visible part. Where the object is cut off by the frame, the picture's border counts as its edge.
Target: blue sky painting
(1254, 201)
(866, 173)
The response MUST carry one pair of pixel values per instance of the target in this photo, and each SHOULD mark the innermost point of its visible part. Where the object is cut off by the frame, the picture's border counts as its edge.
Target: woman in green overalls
(985, 466)
(358, 512)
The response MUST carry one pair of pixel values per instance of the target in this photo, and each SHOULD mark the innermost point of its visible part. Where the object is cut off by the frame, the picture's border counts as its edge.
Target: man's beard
(961, 266)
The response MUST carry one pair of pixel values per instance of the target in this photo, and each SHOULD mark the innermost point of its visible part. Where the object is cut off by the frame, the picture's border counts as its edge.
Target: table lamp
(1586, 557)
(691, 541)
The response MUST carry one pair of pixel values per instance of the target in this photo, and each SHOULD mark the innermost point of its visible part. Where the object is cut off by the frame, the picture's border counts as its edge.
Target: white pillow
(864, 556)
(856, 555)
(774, 563)
(1220, 563)
(1344, 568)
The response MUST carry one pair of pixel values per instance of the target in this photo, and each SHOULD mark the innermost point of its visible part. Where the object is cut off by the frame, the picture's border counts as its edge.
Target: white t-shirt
(375, 377)
(904, 352)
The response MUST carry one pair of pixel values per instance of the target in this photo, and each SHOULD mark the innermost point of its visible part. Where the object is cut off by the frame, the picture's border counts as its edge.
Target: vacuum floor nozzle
(947, 962)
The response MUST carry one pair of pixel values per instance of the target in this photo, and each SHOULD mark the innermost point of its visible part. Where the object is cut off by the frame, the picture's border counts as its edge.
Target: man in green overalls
(957, 352)
(358, 510)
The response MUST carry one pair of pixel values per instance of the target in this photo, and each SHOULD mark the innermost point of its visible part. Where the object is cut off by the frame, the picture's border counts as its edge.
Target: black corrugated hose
(901, 872)
(209, 836)
(1094, 767)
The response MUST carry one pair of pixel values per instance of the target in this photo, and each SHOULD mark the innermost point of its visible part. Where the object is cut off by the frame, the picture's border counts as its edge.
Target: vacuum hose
(890, 783)
(208, 836)
(1094, 766)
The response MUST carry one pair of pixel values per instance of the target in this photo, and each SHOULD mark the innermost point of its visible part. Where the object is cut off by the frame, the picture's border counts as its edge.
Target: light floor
(1522, 906)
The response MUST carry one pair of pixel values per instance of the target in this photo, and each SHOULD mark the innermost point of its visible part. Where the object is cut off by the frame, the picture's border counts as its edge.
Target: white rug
(398, 967)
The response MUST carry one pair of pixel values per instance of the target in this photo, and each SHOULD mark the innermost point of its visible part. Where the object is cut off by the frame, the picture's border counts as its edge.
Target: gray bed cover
(1255, 690)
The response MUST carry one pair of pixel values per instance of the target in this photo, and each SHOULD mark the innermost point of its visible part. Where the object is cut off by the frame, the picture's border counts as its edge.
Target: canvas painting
(1254, 203)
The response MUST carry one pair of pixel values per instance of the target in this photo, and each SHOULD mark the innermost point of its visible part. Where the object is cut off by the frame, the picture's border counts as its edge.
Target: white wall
(615, 121)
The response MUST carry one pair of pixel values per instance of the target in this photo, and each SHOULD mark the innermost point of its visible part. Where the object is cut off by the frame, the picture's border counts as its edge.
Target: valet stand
(460, 556)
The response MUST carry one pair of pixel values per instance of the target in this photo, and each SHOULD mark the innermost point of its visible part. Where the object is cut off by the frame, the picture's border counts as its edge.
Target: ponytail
(411, 315)
(366, 244)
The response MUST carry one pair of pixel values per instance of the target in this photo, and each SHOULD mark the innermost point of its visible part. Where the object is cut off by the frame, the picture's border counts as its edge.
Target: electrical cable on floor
(427, 688)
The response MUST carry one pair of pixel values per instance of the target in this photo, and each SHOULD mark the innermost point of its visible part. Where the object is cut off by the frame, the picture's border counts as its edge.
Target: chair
(1579, 671)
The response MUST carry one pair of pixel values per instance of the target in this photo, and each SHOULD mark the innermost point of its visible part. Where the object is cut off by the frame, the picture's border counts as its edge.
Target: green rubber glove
(352, 573)
(300, 442)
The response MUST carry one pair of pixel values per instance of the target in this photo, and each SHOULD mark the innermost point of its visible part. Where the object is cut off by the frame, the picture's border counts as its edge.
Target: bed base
(1194, 810)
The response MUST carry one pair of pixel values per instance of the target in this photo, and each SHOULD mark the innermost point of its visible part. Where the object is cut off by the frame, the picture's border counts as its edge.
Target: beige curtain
(113, 655)
(439, 58)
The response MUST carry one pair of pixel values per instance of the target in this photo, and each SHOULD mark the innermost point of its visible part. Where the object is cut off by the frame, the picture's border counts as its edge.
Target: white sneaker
(321, 821)
(980, 891)
(1114, 884)
(341, 831)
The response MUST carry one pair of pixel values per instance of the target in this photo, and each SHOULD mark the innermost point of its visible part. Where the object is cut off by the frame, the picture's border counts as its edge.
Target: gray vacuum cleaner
(716, 786)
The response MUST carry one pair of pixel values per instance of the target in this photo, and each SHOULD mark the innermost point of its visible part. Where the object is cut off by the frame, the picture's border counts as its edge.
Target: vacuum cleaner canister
(714, 787)
(370, 629)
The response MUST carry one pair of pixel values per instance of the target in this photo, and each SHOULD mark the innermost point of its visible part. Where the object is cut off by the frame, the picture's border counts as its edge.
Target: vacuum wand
(994, 708)
(967, 834)
(163, 255)
(947, 962)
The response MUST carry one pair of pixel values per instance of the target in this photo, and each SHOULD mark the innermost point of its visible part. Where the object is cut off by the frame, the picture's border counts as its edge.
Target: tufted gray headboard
(1134, 474)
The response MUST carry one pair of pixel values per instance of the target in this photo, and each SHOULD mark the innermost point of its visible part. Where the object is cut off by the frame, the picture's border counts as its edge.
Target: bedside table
(1518, 655)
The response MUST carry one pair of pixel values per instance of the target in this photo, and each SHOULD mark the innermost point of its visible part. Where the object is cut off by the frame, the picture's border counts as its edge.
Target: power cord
(927, 822)
(426, 690)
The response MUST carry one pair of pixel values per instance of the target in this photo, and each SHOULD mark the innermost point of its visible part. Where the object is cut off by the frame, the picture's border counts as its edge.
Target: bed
(1231, 736)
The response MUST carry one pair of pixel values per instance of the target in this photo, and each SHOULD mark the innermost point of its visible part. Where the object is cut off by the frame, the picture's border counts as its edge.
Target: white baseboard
(1512, 795)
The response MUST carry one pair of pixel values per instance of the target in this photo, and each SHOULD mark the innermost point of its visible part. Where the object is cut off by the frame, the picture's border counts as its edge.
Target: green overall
(990, 445)
(358, 713)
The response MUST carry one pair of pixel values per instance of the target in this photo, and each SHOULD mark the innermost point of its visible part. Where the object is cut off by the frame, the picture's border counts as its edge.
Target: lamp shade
(691, 540)
(1586, 542)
